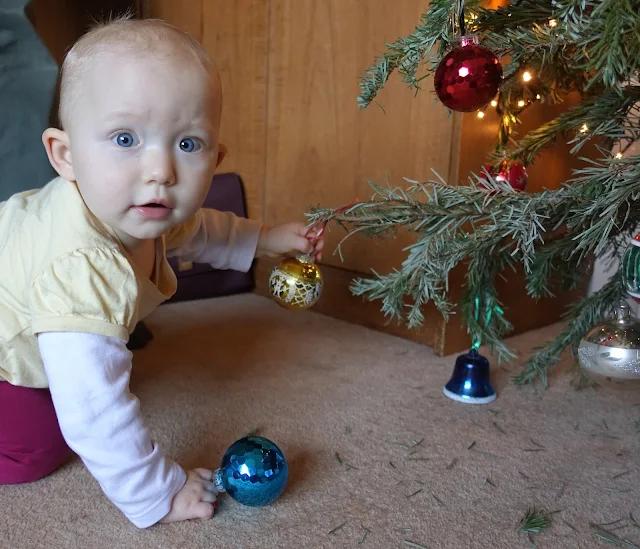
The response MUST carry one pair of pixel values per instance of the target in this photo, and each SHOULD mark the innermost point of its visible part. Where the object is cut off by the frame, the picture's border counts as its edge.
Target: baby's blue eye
(124, 140)
(189, 145)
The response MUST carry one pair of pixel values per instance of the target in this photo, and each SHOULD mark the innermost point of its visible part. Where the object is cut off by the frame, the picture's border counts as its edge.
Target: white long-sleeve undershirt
(100, 420)
(89, 375)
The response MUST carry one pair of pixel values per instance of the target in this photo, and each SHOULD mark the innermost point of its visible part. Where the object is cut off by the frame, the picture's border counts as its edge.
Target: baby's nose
(161, 169)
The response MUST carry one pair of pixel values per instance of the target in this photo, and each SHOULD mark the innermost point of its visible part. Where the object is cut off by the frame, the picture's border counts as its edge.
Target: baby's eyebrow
(200, 124)
(119, 115)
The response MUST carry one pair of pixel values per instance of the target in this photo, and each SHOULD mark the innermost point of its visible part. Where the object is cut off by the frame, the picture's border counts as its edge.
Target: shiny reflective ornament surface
(254, 471)
(471, 381)
(296, 283)
(513, 173)
(468, 77)
(631, 269)
(612, 348)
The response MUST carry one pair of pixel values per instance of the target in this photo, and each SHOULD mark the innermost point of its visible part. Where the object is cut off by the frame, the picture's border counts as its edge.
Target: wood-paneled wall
(290, 71)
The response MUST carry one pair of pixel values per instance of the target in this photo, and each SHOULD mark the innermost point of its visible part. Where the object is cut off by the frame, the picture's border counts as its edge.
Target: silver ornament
(612, 348)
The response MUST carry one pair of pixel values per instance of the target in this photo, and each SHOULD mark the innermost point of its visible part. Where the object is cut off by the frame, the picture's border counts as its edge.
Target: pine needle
(437, 499)
(534, 522)
(339, 527)
(415, 545)
(602, 435)
(499, 428)
(606, 535)
(364, 536)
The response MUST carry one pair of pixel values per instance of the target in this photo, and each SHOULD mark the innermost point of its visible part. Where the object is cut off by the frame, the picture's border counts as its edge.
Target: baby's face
(144, 142)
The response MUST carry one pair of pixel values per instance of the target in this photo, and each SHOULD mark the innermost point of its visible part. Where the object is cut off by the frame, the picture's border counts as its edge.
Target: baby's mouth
(153, 210)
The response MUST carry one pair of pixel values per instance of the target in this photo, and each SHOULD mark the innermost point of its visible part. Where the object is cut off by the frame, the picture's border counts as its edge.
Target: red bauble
(468, 77)
(513, 173)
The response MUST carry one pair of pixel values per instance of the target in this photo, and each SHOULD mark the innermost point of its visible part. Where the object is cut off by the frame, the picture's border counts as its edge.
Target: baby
(85, 258)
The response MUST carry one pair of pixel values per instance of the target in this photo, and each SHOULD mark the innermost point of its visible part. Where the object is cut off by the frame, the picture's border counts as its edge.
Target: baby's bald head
(129, 38)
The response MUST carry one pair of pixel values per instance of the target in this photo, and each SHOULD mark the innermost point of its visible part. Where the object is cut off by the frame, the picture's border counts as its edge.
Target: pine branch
(608, 34)
(579, 319)
(605, 193)
(427, 45)
(534, 522)
(588, 46)
(490, 230)
(406, 54)
(481, 307)
(602, 116)
(554, 267)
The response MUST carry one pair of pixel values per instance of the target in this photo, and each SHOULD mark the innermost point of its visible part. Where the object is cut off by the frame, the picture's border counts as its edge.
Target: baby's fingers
(209, 497)
(205, 474)
(203, 510)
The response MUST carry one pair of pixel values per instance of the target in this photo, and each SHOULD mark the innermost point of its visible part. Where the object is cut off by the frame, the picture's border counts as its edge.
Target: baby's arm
(101, 421)
(221, 239)
(226, 241)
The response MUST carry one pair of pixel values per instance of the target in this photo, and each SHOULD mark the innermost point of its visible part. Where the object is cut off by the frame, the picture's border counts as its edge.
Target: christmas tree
(585, 46)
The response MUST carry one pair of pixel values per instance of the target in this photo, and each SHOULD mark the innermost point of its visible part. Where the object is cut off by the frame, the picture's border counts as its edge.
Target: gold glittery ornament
(612, 348)
(296, 283)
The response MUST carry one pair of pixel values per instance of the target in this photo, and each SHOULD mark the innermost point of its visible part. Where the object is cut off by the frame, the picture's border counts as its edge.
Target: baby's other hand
(290, 237)
(197, 499)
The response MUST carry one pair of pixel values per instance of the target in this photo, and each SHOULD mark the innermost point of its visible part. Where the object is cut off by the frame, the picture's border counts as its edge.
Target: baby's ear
(222, 152)
(56, 143)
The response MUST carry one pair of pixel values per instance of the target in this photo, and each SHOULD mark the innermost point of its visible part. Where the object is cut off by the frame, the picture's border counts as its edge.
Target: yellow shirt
(62, 269)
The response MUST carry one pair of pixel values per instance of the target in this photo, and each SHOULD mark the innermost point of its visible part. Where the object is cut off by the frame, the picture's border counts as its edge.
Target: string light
(553, 23)
(584, 128)
(537, 96)
(480, 114)
(521, 103)
(619, 156)
(526, 76)
(494, 103)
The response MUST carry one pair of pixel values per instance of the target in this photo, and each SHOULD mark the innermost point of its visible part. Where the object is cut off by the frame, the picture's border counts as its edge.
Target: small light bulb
(480, 114)
(584, 128)
(526, 76)
(537, 96)
(494, 103)
(619, 156)
(553, 23)
(521, 103)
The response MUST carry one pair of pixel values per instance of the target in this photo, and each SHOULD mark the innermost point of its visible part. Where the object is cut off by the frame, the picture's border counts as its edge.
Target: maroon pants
(31, 444)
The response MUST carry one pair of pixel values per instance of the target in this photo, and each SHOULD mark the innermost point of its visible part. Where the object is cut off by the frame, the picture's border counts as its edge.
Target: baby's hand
(197, 498)
(287, 238)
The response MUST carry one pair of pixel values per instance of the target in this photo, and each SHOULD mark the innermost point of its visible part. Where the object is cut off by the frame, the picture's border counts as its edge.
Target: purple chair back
(199, 281)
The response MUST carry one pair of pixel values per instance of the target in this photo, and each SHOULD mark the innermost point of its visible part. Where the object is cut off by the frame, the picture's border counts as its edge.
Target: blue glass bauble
(254, 471)
(470, 381)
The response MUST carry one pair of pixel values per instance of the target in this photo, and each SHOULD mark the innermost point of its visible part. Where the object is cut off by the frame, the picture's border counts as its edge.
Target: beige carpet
(414, 470)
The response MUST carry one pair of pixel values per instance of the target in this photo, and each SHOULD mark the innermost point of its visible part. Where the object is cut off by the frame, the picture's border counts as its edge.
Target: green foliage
(534, 522)
(588, 46)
